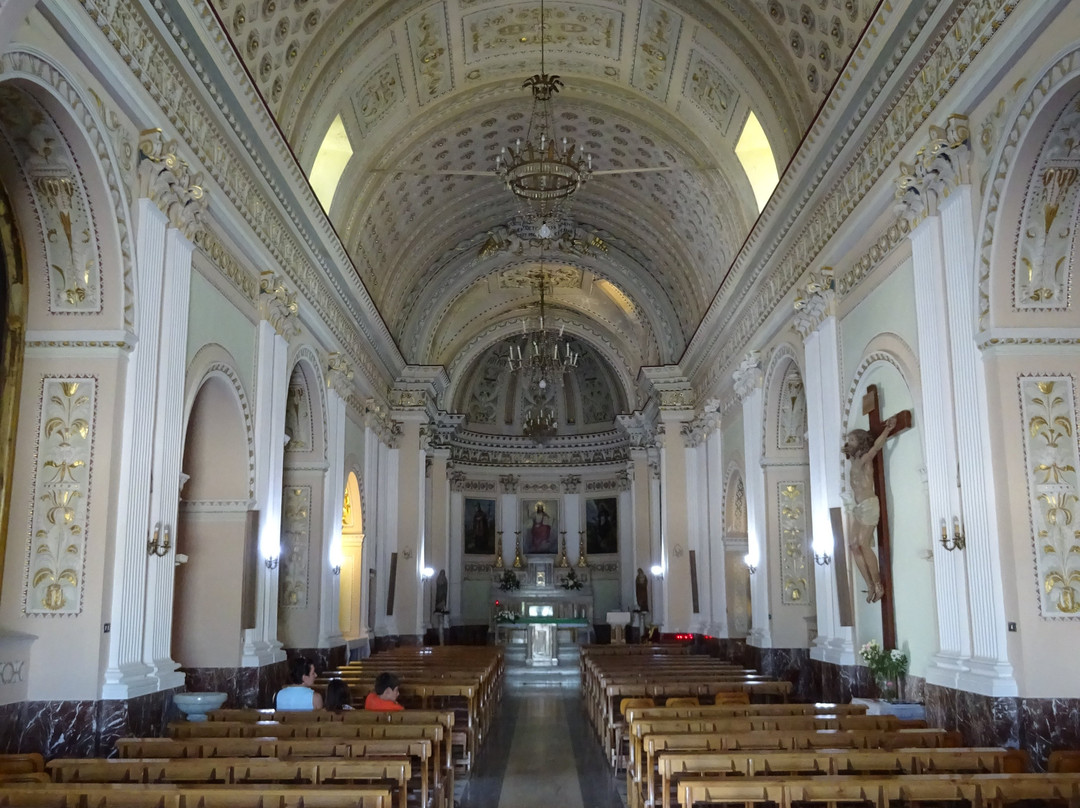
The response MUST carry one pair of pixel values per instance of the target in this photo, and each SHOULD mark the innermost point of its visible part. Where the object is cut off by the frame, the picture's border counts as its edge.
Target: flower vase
(888, 689)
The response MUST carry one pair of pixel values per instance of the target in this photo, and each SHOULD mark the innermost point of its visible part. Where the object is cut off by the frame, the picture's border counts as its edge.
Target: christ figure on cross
(864, 509)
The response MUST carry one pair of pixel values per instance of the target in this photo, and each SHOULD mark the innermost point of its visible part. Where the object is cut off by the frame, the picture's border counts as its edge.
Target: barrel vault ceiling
(426, 88)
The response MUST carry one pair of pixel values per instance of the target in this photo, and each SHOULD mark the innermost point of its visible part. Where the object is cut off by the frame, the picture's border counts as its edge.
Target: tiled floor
(542, 753)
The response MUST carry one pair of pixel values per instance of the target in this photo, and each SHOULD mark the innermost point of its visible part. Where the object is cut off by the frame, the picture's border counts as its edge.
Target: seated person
(338, 696)
(385, 696)
(299, 695)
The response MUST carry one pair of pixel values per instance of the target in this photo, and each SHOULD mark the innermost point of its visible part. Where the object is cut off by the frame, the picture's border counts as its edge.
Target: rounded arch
(305, 410)
(96, 173)
(351, 577)
(734, 499)
(12, 346)
(213, 361)
(1012, 181)
(785, 406)
(215, 549)
(890, 364)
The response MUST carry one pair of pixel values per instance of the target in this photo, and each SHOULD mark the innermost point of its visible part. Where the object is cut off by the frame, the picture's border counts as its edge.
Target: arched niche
(351, 603)
(214, 598)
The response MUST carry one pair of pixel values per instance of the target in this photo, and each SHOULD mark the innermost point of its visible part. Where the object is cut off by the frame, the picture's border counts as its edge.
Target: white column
(333, 502)
(675, 523)
(940, 449)
(126, 674)
(168, 441)
(571, 521)
(261, 644)
(990, 672)
(714, 565)
(371, 508)
(816, 322)
(748, 386)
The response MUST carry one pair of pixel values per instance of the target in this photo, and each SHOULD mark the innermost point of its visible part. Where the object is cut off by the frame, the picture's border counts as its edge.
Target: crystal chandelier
(541, 353)
(541, 357)
(543, 170)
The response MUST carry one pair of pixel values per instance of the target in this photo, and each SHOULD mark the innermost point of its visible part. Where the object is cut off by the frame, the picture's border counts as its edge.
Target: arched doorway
(216, 551)
(351, 604)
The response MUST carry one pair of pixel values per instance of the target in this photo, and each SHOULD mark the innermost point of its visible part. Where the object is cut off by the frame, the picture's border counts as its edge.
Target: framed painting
(479, 528)
(601, 526)
(539, 526)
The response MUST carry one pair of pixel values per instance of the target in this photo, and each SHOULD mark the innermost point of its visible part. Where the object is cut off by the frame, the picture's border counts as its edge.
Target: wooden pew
(674, 766)
(881, 792)
(166, 795)
(641, 773)
(234, 771)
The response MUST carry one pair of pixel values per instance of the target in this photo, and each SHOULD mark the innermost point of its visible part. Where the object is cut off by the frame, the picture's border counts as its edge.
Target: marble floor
(541, 752)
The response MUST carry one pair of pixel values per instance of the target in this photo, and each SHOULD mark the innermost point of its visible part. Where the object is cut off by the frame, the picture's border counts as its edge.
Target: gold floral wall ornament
(61, 493)
(794, 560)
(1048, 406)
(295, 545)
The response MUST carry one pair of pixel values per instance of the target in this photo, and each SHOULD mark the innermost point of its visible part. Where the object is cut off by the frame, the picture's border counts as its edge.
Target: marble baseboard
(1037, 726)
(81, 728)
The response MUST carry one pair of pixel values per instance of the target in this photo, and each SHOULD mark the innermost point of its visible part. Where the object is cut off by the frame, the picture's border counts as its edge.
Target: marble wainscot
(788, 664)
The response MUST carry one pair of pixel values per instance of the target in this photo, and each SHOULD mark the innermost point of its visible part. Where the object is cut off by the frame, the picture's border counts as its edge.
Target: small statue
(641, 590)
(441, 588)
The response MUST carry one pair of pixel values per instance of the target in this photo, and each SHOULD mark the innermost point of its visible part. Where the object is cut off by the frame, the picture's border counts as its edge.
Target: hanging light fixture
(543, 170)
(541, 357)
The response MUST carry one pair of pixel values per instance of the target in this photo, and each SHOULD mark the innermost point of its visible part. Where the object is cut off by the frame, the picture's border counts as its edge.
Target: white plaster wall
(213, 318)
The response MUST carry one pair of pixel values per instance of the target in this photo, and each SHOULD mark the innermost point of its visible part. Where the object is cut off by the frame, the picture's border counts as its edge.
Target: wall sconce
(272, 562)
(426, 573)
(159, 544)
(658, 571)
(336, 569)
(822, 559)
(957, 540)
(752, 568)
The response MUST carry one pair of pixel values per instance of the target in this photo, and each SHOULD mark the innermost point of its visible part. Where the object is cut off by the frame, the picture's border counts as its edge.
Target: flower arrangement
(505, 616)
(509, 581)
(571, 581)
(886, 666)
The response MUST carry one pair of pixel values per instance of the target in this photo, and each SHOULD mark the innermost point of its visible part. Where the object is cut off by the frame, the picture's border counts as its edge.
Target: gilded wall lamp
(159, 543)
(955, 542)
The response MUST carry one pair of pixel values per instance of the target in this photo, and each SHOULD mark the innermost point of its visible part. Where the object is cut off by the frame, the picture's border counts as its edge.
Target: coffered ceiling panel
(428, 93)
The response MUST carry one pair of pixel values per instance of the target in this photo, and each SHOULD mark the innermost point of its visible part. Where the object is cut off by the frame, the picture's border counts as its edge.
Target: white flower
(897, 655)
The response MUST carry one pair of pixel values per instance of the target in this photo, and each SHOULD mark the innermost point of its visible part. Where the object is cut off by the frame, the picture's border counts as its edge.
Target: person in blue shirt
(300, 695)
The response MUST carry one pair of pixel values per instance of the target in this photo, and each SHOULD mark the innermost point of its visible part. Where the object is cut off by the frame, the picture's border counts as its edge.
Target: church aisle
(541, 753)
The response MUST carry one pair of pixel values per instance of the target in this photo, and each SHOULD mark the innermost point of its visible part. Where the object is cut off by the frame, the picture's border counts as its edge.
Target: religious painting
(601, 526)
(539, 526)
(479, 527)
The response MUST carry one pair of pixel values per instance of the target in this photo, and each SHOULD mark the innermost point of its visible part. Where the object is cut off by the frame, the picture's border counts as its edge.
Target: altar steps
(566, 674)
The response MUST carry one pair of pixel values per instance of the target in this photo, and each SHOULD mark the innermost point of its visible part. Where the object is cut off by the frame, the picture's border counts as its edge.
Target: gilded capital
(167, 181)
(338, 374)
(748, 376)
(815, 303)
(277, 305)
(943, 163)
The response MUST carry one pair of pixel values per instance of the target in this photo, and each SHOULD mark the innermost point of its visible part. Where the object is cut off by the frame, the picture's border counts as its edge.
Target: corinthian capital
(815, 303)
(940, 165)
(277, 304)
(748, 375)
(338, 374)
(168, 182)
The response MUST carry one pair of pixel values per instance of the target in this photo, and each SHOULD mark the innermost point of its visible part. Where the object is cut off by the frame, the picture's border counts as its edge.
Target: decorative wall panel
(70, 241)
(794, 563)
(567, 27)
(791, 421)
(1048, 411)
(430, 53)
(1044, 266)
(54, 571)
(296, 545)
(710, 91)
(658, 38)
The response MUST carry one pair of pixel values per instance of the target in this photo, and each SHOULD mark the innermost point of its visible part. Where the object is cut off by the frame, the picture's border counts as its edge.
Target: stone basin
(196, 705)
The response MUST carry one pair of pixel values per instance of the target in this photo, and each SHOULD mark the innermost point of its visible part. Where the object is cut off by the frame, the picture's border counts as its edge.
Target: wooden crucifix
(869, 495)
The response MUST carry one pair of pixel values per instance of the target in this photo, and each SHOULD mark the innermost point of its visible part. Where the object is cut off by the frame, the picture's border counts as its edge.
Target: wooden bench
(395, 771)
(165, 795)
(974, 790)
(673, 766)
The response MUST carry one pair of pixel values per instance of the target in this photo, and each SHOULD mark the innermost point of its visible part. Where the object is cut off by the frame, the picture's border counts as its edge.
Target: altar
(551, 606)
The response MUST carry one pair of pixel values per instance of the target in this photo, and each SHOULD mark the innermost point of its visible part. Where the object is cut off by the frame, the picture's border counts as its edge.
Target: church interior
(503, 333)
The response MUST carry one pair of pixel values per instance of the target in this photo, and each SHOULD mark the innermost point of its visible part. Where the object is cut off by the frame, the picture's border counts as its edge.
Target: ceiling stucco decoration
(428, 93)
